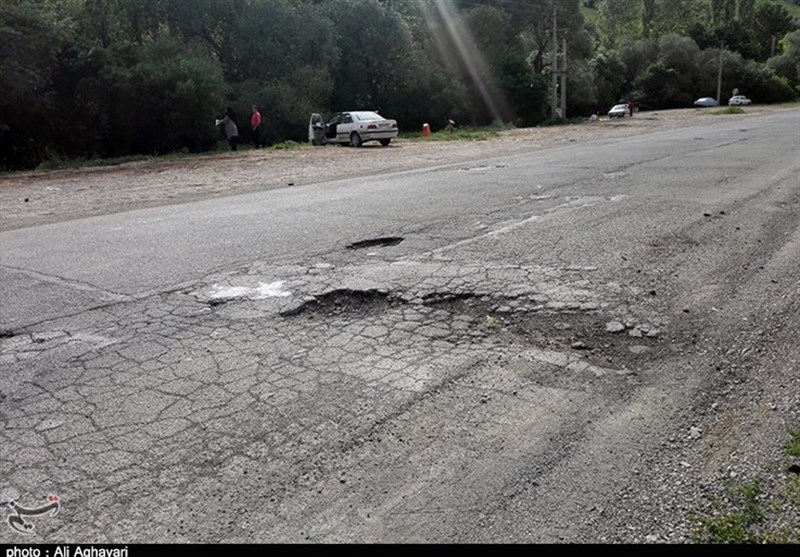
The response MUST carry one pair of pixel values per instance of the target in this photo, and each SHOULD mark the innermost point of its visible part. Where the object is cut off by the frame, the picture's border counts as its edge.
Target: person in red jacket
(255, 128)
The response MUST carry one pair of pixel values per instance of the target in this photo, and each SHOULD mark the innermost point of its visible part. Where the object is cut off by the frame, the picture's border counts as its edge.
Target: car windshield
(620, 107)
(365, 116)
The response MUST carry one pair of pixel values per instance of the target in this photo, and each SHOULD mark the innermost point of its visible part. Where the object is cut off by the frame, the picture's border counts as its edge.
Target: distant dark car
(706, 101)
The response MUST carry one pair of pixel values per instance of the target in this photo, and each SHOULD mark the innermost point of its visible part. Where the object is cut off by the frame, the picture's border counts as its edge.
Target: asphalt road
(573, 344)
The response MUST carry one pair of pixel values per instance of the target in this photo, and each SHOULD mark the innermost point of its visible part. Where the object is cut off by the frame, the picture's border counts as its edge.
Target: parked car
(619, 111)
(706, 101)
(739, 100)
(352, 128)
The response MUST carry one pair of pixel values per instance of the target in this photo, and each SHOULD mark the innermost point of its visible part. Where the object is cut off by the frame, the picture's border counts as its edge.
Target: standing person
(255, 127)
(231, 130)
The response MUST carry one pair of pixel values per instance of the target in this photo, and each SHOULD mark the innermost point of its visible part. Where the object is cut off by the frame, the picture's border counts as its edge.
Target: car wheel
(355, 140)
(385, 142)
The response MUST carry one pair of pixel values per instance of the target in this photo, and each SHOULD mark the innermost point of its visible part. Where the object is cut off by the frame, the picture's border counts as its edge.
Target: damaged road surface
(576, 344)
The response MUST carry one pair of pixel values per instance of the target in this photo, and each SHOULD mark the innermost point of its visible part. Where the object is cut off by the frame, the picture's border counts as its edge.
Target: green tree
(746, 12)
(722, 11)
(536, 31)
(173, 89)
(787, 64)
(609, 72)
(658, 87)
(680, 54)
(619, 20)
(636, 57)
(374, 59)
(30, 43)
(678, 16)
(772, 22)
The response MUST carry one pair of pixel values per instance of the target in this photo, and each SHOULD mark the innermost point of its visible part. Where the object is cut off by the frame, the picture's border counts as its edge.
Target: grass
(483, 133)
(61, 164)
(57, 163)
(729, 110)
(459, 134)
(793, 446)
(283, 145)
(738, 516)
(745, 513)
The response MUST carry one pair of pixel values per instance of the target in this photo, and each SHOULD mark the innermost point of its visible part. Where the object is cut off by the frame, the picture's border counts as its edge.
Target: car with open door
(620, 110)
(352, 128)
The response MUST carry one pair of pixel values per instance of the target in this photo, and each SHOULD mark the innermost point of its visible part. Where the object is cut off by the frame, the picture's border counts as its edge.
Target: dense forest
(108, 78)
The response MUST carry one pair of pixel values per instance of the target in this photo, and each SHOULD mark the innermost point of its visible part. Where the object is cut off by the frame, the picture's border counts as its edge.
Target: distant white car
(619, 111)
(739, 100)
(352, 128)
(706, 101)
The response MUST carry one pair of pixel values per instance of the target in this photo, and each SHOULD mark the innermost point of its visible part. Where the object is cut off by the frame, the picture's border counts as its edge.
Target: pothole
(585, 332)
(373, 242)
(524, 320)
(346, 302)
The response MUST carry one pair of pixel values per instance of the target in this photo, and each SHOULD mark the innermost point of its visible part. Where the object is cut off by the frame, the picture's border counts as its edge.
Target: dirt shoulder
(36, 198)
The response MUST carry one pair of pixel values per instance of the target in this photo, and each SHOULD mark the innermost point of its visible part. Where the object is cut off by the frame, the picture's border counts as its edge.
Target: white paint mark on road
(263, 290)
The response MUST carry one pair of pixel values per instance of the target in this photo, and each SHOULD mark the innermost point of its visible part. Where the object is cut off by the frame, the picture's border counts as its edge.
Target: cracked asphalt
(514, 349)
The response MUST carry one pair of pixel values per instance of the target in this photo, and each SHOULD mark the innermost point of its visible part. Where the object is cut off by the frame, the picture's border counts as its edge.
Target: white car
(738, 100)
(352, 128)
(619, 111)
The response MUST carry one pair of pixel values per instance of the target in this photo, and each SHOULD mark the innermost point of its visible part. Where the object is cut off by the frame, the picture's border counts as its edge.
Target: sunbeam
(468, 53)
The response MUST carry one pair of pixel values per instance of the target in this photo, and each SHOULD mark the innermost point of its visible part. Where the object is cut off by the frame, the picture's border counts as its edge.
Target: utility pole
(564, 77)
(719, 74)
(555, 65)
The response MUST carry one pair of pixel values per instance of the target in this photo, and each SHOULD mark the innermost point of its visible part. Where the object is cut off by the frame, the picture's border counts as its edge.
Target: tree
(658, 87)
(762, 85)
(787, 65)
(30, 43)
(772, 21)
(680, 54)
(619, 20)
(746, 12)
(722, 11)
(173, 90)
(537, 32)
(677, 16)
(636, 56)
(609, 72)
(373, 60)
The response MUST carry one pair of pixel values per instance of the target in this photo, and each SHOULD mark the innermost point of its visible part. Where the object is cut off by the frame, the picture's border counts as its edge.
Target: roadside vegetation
(793, 446)
(729, 110)
(745, 511)
(112, 79)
